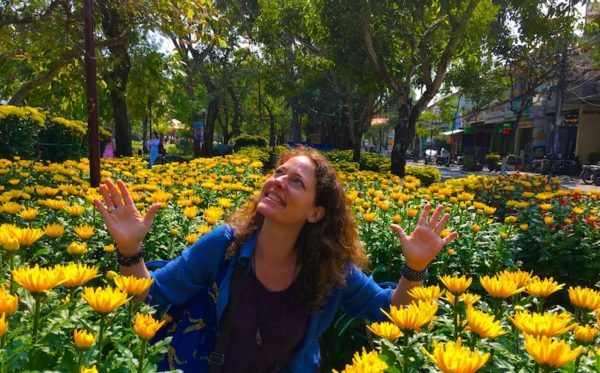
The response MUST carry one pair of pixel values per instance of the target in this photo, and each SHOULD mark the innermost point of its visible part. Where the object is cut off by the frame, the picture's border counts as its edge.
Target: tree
(412, 46)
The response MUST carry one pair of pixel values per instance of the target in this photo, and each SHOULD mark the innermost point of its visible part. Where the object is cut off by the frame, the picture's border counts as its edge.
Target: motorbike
(443, 160)
(590, 174)
(555, 165)
(430, 156)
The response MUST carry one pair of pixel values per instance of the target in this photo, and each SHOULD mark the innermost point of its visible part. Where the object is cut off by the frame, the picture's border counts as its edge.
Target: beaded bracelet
(412, 275)
(128, 261)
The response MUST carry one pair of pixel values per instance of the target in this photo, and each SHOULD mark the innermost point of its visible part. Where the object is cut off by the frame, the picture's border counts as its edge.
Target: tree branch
(423, 52)
(63, 60)
(15, 19)
(442, 67)
(379, 65)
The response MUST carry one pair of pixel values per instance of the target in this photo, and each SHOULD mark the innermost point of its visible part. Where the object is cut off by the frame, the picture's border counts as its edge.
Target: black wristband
(412, 275)
(128, 261)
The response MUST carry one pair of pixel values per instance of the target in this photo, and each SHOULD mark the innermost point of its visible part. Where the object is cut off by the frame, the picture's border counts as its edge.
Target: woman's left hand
(424, 243)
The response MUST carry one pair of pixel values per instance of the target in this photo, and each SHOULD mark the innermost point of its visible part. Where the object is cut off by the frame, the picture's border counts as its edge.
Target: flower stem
(405, 353)
(101, 338)
(36, 317)
(142, 356)
(455, 317)
(11, 265)
(80, 359)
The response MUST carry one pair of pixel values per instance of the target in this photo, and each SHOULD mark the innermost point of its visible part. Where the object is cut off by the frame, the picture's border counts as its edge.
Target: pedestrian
(109, 149)
(275, 274)
(153, 145)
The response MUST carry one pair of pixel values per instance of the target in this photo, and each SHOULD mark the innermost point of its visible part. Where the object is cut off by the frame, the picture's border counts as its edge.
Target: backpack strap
(216, 359)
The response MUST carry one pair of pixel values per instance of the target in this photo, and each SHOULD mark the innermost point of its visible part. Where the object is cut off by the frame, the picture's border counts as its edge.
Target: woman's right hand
(123, 220)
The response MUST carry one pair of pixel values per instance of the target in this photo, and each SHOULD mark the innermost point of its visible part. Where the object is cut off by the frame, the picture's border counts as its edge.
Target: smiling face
(289, 195)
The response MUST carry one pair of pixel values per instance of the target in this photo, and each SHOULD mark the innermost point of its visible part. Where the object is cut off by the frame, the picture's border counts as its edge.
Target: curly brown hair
(326, 247)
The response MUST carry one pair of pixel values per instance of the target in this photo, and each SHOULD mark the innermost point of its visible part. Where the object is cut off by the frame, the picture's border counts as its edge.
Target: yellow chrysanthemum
(77, 248)
(412, 213)
(550, 353)
(75, 210)
(9, 241)
(83, 339)
(77, 274)
(28, 214)
(213, 214)
(104, 300)
(36, 279)
(8, 302)
(91, 369)
(413, 316)
(133, 285)
(545, 206)
(190, 212)
(11, 208)
(546, 324)
(3, 325)
(500, 287)
(225, 203)
(475, 228)
(425, 293)
(453, 357)
(84, 232)
(191, 238)
(28, 236)
(456, 284)
(522, 278)
(54, 230)
(146, 326)
(386, 329)
(109, 248)
(585, 298)
(365, 362)
(585, 334)
(369, 217)
(548, 219)
(483, 324)
(543, 288)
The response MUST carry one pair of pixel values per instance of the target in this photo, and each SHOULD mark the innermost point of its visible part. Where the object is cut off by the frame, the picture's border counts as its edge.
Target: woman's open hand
(123, 220)
(424, 243)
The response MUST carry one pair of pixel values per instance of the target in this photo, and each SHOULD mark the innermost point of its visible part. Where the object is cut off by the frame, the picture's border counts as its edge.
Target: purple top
(268, 327)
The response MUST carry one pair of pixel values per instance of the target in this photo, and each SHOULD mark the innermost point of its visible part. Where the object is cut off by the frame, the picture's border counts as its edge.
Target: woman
(153, 144)
(302, 254)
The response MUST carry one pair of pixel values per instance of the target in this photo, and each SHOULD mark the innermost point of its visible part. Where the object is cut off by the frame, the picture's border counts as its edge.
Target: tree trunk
(237, 112)
(209, 126)
(113, 26)
(295, 121)
(403, 135)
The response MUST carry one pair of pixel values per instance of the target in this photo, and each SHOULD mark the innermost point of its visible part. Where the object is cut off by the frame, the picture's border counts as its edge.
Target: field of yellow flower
(63, 308)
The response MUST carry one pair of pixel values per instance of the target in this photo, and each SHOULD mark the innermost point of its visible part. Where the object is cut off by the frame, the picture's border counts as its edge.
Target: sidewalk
(452, 172)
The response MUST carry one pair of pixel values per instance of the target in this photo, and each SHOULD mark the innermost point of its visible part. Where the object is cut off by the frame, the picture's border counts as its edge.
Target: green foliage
(254, 152)
(19, 130)
(374, 162)
(492, 161)
(427, 174)
(337, 156)
(248, 140)
(62, 139)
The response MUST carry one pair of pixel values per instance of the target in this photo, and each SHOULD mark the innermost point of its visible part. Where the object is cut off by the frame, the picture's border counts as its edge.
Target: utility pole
(92, 94)
(560, 94)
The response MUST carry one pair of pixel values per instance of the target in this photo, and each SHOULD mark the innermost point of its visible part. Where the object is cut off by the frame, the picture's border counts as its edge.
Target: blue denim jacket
(196, 287)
